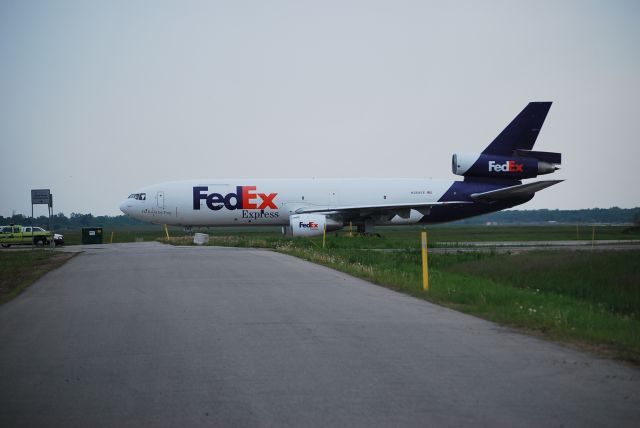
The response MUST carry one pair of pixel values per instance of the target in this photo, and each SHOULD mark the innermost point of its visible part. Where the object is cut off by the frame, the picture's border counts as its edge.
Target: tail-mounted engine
(523, 164)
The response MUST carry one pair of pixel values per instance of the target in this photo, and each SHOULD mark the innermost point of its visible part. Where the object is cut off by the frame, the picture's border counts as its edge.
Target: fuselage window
(143, 196)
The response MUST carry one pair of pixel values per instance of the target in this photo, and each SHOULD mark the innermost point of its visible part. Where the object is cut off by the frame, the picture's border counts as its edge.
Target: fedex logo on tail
(245, 198)
(508, 166)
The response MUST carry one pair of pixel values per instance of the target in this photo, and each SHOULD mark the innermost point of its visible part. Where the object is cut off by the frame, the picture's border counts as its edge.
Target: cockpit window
(138, 196)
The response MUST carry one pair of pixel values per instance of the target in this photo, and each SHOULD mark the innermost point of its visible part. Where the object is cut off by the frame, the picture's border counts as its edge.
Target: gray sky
(100, 98)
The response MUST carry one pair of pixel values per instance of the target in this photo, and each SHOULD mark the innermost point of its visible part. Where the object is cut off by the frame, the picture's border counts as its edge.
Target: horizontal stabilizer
(513, 191)
(551, 157)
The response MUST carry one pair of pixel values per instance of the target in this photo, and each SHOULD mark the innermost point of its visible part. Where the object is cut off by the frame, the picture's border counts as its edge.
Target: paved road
(153, 335)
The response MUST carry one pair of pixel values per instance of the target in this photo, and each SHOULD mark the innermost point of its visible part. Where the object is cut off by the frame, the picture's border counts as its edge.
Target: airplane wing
(513, 191)
(403, 210)
(383, 209)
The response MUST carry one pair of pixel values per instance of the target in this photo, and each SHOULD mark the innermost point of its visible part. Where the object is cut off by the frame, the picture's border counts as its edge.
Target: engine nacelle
(496, 166)
(311, 225)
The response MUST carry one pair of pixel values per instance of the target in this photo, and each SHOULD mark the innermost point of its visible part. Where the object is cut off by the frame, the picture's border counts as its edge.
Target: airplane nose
(124, 207)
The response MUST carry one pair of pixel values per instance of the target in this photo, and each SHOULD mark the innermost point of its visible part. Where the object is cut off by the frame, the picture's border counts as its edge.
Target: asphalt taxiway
(152, 335)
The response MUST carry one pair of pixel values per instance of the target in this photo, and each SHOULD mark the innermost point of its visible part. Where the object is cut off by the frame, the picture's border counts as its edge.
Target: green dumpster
(91, 235)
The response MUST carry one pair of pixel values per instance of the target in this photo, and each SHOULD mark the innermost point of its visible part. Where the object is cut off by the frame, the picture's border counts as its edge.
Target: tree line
(74, 221)
(613, 215)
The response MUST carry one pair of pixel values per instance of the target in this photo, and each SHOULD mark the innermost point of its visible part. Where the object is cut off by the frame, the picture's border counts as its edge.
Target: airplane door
(160, 199)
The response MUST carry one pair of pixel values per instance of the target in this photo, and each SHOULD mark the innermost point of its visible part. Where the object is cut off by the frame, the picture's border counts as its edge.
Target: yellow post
(324, 234)
(111, 241)
(425, 263)
(350, 229)
(166, 231)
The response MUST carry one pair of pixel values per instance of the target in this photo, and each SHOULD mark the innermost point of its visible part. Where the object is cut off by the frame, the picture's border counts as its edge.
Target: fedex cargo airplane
(305, 207)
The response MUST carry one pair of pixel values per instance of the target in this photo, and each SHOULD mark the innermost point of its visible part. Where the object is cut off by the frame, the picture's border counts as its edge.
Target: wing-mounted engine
(311, 225)
(522, 164)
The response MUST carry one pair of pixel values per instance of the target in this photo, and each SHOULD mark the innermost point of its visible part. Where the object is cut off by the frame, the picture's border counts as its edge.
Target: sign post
(324, 235)
(425, 263)
(41, 197)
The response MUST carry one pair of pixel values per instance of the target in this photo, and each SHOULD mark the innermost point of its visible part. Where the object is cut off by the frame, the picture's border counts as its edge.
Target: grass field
(390, 237)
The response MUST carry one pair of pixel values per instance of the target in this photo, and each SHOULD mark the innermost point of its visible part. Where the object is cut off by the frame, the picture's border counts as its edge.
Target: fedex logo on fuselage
(245, 198)
(508, 166)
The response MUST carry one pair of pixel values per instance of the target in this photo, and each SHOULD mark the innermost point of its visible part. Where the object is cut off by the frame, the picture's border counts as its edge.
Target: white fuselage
(270, 202)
